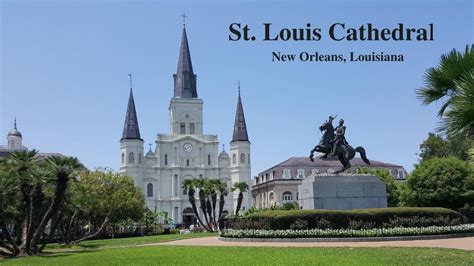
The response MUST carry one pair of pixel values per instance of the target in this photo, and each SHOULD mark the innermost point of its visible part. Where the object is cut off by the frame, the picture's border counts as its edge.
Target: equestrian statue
(333, 143)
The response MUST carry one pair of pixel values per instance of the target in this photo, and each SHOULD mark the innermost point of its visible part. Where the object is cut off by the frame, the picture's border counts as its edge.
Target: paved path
(465, 243)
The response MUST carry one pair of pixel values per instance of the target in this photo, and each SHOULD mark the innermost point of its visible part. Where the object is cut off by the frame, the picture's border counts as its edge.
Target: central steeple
(185, 79)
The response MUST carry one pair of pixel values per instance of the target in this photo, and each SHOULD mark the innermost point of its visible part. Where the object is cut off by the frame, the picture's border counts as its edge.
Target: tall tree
(63, 170)
(438, 146)
(241, 187)
(451, 84)
(223, 192)
(190, 186)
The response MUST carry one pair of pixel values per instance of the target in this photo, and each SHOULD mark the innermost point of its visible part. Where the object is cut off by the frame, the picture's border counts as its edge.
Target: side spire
(240, 127)
(130, 127)
(185, 79)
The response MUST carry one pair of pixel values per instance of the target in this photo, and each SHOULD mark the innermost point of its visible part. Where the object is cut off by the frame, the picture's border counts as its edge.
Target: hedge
(336, 233)
(353, 219)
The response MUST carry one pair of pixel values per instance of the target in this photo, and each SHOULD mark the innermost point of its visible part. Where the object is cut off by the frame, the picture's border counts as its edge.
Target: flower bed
(351, 219)
(339, 233)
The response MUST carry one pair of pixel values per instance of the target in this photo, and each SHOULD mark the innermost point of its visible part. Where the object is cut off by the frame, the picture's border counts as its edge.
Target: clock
(188, 147)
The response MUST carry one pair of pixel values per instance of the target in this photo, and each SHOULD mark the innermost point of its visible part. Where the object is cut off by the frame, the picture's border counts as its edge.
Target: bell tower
(131, 144)
(240, 162)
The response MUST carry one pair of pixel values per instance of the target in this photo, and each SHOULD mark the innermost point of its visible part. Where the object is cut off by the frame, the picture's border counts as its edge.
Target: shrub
(356, 219)
(334, 233)
(440, 182)
(467, 211)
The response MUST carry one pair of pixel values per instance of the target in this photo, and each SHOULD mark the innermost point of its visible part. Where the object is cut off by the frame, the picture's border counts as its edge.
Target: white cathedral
(186, 152)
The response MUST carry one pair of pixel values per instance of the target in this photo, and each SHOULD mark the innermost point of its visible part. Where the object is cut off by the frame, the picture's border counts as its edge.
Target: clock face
(187, 147)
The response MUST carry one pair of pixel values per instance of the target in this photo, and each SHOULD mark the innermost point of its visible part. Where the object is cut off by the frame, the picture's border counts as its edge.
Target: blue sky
(64, 73)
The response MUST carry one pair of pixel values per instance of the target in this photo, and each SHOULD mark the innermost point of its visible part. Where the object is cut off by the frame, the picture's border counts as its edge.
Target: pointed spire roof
(240, 127)
(185, 79)
(130, 127)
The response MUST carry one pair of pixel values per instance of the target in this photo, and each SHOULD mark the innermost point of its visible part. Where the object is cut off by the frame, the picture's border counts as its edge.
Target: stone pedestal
(342, 192)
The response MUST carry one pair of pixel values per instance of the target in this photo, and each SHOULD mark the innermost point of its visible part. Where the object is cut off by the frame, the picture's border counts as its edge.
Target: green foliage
(437, 146)
(103, 193)
(452, 84)
(334, 219)
(290, 206)
(440, 182)
(393, 189)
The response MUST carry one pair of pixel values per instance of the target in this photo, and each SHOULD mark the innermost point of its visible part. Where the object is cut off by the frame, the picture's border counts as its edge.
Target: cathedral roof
(14, 132)
(185, 79)
(130, 127)
(240, 127)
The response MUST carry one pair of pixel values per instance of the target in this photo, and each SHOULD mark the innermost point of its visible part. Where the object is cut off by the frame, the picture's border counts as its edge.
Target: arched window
(166, 159)
(149, 190)
(139, 158)
(234, 158)
(123, 158)
(131, 158)
(287, 197)
(242, 158)
(208, 159)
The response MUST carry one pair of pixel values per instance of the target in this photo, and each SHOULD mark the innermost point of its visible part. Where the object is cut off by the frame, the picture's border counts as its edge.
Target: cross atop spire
(240, 127)
(184, 19)
(130, 126)
(14, 123)
(185, 79)
(130, 77)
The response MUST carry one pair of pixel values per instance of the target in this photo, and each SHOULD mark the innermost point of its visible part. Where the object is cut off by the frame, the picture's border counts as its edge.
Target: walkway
(465, 243)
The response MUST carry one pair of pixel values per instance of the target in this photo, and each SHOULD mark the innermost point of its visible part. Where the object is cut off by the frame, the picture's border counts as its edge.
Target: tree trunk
(11, 245)
(214, 203)
(192, 200)
(61, 185)
(102, 226)
(27, 215)
(221, 205)
(54, 225)
(202, 200)
(239, 203)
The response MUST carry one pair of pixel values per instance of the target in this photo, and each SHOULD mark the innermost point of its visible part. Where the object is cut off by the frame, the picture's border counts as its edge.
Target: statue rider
(340, 138)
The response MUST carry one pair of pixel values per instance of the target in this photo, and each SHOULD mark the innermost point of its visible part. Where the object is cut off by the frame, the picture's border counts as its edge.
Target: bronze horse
(344, 152)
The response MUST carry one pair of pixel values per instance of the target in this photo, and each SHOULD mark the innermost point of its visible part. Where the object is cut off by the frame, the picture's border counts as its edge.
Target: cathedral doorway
(188, 217)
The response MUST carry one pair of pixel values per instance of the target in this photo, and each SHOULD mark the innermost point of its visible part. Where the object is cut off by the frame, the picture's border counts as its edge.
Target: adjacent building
(15, 143)
(186, 151)
(279, 184)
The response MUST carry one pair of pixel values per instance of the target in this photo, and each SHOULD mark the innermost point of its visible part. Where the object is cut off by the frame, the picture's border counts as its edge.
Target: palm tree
(63, 169)
(242, 187)
(19, 165)
(460, 117)
(190, 186)
(451, 83)
(200, 184)
(222, 188)
(440, 81)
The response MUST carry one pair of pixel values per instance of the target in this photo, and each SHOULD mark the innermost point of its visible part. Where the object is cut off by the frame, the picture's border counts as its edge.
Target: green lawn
(117, 242)
(180, 255)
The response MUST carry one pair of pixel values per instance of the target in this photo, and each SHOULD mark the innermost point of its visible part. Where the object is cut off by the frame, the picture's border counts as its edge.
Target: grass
(181, 255)
(130, 241)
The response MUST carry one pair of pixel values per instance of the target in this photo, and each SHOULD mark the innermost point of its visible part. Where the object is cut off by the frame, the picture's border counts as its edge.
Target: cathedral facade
(186, 151)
